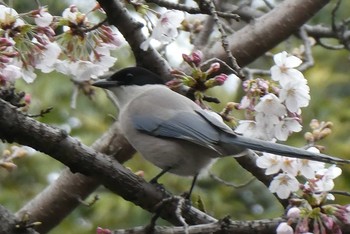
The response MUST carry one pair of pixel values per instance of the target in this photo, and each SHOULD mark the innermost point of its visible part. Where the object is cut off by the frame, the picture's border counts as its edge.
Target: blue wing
(188, 126)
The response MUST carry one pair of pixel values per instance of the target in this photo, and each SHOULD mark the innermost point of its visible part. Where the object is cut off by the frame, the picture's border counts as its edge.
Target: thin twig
(229, 184)
(329, 46)
(192, 10)
(96, 26)
(42, 113)
(309, 60)
(224, 41)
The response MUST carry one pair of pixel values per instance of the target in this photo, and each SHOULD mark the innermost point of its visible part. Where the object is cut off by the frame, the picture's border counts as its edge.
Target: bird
(174, 133)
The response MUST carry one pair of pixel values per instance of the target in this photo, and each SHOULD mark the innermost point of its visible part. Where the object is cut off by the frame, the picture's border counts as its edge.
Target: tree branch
(119, 16)
(266, 32)
(11, 225)
(15, 126)
(62, 196)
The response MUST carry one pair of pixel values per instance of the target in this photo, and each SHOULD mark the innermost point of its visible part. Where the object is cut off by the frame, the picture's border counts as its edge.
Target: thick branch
(8, 223)
(65, 194)
(14, 126)
(264, 33)
(119, 16)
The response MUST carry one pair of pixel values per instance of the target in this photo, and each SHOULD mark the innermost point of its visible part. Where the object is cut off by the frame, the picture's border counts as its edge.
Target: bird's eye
(129, 75)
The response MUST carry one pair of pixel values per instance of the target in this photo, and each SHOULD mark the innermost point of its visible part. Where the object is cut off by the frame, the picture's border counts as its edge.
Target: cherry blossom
(295, 94)
(285, 126)
(250, 128)
(308, 168)
(165, 30)
(9, 18)
(48, 57)
(270, 104)
(43, 18)
(283, 185)
(271, 162)
(284, 70)
(327, 175)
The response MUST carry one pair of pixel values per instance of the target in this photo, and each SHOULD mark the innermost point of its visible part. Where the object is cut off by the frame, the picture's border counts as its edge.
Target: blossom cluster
(318, 178)
(273, 109)
(199, 80)
(165, 29)
(315, 218)
(80, 50)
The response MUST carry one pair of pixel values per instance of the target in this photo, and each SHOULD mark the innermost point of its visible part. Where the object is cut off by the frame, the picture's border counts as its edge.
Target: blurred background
(330, 98)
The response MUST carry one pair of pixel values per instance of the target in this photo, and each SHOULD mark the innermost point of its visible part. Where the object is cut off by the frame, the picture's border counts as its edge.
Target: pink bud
(174, 83)
(187, 58)
(5, 42)
(327, 221)
(197, 57)
(214, 67)
(4, 59)
(100, 230)
(27, 98)
(220, 79)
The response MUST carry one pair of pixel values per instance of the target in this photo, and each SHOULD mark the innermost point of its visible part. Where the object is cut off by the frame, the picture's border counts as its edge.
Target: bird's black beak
(105, 83)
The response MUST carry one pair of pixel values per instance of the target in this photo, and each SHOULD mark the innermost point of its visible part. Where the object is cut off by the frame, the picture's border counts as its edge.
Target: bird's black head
(130, 76)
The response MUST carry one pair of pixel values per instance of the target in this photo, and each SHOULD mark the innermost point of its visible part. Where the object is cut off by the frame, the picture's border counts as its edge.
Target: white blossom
(284, 70)
(283, 185)
(48, 58)
(10, 16)
(271, 162)
(11, 72)
(290, 165)
(308, 168)
(295, 94)
(286, 126)
(250, 128)
(327, 175)
(270, 104)
(165, 30)
(43, 18)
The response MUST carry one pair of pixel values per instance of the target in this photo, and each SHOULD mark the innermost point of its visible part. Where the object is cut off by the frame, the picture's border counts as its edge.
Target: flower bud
(284, 228)
(187, 58)
(214, 67)
(189, 81)
(4, 59)
(174, 83)
(197, 57)
(5, 42)
(8, 165)
(27, 98)
(293, 213)
(328, 124)
(314, 124)
(309, 137)
(220, 79)
(231, 105)
(325, 132)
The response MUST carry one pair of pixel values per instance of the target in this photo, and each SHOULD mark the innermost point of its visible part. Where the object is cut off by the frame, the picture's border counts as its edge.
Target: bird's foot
(181, 204)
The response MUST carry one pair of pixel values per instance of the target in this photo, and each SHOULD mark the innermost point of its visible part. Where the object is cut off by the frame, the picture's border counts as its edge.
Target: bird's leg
(155, 179)
(187, 195)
